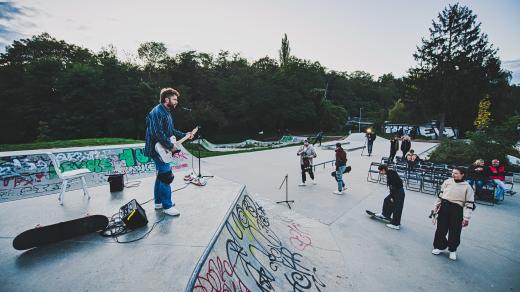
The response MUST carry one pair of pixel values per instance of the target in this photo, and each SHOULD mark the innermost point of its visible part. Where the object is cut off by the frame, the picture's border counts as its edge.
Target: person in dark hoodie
(393, 203)
(394, 146)
(406, 145)
(341, 165)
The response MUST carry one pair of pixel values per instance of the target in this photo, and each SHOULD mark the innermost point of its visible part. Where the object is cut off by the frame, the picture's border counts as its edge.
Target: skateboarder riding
(393, 203)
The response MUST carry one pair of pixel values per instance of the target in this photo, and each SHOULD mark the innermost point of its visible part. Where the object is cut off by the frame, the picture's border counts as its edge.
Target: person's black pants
(392, 155)
(394, 209)
(449, 221)
(306, 169)
(369, 146)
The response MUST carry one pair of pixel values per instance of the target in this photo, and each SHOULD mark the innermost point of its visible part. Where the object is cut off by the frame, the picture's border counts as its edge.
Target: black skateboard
(375, 217)
(40, 236)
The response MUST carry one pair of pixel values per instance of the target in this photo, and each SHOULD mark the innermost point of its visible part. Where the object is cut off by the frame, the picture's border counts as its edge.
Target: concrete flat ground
(378, 258)
(163, 261)
(373, 257)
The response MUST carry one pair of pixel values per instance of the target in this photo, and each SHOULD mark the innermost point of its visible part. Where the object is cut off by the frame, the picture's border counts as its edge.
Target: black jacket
(393, 181)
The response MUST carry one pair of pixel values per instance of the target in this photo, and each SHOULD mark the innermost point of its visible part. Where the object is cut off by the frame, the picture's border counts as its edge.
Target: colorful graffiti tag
(25, 176)
(248, 255)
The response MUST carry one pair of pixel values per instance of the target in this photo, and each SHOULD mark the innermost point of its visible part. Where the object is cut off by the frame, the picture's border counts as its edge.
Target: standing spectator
(319, 137)
(306, 153)
(341, 165)
(394, 145)
(413, 134)
(453, 207)
(498, 175)
(406, 145)
(371, 136)
(477, 175)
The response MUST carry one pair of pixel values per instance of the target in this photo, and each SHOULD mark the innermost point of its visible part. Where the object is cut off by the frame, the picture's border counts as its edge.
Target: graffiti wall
(252, 253)
(26, 176)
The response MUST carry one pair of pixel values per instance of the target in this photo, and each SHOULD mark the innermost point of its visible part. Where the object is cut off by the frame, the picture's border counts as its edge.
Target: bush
(479, 145)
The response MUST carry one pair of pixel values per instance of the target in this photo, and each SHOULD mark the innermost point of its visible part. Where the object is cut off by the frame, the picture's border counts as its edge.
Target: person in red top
(497, 174)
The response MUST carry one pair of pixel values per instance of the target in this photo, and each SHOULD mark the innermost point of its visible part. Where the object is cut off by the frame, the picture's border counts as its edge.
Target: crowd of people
(480, 174)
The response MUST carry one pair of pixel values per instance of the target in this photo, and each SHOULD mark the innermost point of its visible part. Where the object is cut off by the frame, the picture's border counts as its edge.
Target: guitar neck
(186, 137)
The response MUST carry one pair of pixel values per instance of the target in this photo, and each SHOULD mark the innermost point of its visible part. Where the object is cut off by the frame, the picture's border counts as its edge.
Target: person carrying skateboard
(306, 153)
(393, 203)
(341, 165)
(159, 128)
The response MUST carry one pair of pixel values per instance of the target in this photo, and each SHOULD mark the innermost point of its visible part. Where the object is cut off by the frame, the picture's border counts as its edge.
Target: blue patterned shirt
(159, 128)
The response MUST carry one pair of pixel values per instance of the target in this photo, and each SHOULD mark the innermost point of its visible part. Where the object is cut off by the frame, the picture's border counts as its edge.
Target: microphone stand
(199, 137)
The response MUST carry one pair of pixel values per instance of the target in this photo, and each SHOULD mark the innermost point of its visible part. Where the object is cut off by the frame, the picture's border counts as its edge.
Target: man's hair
(338, 145)
(383, 166)
(167, 93)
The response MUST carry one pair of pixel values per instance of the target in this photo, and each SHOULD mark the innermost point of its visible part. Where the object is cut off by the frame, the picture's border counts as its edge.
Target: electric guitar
(166, 155)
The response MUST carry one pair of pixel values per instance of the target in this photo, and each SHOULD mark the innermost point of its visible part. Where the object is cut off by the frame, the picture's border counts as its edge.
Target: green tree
(456, 67)
(398, 113)
(284, 52)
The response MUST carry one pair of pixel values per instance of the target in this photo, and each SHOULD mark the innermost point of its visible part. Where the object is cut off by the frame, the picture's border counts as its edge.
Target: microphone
(186, 109)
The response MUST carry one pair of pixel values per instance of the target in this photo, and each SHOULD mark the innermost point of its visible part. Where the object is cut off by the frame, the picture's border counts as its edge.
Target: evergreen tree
(456, 68)
(284, 52)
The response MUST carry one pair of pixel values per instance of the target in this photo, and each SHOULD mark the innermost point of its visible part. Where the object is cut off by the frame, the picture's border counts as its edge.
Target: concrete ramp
(261, 246)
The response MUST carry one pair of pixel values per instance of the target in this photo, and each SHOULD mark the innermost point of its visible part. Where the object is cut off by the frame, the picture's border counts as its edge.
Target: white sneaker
(302, 184)
(171, 211)
(337, 193)
(158, 206)
(453, 256)
(437, 251)
(313, 182)
(382, 217)
(396, 227)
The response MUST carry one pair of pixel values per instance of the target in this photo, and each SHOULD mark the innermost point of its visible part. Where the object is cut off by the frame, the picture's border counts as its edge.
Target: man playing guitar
(159, 129)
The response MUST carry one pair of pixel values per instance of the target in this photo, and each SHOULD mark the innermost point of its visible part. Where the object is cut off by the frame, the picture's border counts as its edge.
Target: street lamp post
(359, 121)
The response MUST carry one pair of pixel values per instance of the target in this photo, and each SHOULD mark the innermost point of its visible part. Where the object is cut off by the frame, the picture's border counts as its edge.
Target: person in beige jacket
(453, 207)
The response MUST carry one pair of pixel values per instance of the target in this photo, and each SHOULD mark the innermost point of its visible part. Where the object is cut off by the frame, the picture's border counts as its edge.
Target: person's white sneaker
(158, 206)
(313, 182)
(337, 193)
(302, 184)
(171, 211)
(396, 227)
(453, 256)
(437, 251)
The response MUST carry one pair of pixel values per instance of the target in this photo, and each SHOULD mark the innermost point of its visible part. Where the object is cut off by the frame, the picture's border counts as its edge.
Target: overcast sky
(374, 36)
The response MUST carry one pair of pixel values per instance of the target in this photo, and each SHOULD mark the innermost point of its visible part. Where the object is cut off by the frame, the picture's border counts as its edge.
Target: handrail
(323, 163)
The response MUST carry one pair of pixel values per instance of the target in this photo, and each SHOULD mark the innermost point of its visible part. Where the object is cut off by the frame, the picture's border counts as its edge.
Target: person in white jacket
(306, 153)
(453, 207)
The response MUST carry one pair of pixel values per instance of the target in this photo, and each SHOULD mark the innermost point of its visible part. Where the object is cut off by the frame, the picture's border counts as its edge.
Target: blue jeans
(339, 177)
(162, 192)
(476, 185)
(500, 189)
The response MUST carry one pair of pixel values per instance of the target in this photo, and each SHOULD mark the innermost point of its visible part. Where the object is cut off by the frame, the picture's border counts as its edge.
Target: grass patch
(68, 143)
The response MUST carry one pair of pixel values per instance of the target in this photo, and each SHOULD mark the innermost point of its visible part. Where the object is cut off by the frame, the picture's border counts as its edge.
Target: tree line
(50, 89)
